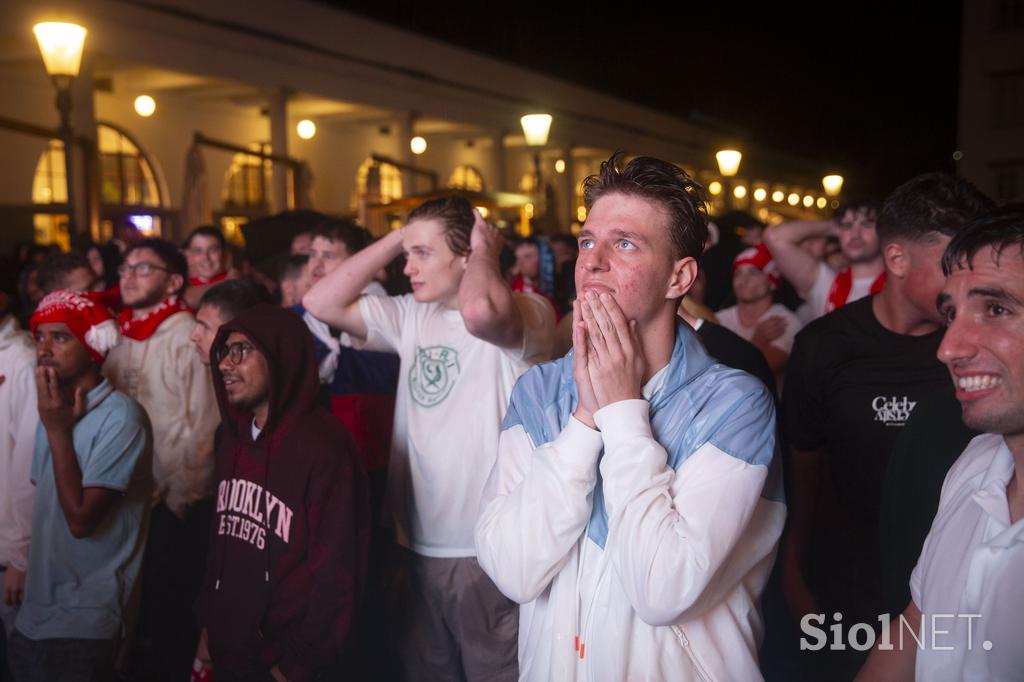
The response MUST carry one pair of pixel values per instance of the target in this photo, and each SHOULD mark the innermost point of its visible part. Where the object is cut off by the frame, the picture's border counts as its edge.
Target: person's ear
(175, 283)
(684, 274)
(897, 259)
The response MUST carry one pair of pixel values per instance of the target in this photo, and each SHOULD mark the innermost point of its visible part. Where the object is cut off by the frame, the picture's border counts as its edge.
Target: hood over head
(285, 341)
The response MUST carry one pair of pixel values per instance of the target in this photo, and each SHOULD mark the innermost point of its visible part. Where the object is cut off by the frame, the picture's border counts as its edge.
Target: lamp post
(728, 166)
(536, 128)
(833, 184)
(61, 45)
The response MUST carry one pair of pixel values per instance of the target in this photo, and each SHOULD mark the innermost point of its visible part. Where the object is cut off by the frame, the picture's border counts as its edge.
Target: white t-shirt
(730, 319)
(453, 392)
(817, 298)
(968, 582)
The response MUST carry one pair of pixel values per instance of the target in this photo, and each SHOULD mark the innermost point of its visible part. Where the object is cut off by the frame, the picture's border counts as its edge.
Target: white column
(277, 107)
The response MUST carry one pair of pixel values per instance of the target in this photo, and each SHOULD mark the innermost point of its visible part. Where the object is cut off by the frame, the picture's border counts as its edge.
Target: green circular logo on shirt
(433, 374)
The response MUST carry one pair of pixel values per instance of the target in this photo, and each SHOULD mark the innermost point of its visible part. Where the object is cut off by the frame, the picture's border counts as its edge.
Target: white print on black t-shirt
(247, 511)
(892, 411)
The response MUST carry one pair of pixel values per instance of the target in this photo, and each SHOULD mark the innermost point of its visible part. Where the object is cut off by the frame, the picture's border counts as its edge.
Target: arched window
(248, 179)
(467, 178)
(128, 188)
(378, 182)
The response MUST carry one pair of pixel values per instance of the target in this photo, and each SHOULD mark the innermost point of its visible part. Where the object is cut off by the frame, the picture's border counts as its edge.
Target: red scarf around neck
(842, 285)
(203, 281)
(142, 328)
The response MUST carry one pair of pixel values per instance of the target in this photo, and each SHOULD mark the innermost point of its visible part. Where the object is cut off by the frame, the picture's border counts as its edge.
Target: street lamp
(833, 184)
(728, 166)
(728, 162)
(61, 45)
(536, 128)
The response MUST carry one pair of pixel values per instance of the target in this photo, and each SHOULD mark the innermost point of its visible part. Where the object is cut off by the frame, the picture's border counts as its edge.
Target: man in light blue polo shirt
(91, 468)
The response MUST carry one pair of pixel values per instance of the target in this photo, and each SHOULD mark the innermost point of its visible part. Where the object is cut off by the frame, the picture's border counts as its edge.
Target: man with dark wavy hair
(636, 502)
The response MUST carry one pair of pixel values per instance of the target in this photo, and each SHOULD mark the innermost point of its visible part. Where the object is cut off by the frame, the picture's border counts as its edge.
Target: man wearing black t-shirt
(855, 377)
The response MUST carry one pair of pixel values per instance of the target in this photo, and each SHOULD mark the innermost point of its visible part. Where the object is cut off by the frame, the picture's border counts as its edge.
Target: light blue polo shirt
(78, 588)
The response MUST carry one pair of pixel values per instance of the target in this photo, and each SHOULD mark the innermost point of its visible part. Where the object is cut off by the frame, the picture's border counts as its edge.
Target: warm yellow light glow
(145, 106)
(305, 129)
(715, 188)
(833, 184)
(822, 202)
(418, 145)
(728, 162)
(536, 128)
(778, 195)
(793, 199)
(560, 166)
(61, 45)
(483, 211)
(529, 210)
(581, 213)
(739, 191)
(760, 194)
(808, 200)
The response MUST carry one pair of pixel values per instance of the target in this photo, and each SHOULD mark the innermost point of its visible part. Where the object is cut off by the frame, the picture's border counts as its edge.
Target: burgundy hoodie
(289, 540)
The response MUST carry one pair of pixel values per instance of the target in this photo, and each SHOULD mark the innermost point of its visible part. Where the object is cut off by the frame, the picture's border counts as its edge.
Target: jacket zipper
(702, 674)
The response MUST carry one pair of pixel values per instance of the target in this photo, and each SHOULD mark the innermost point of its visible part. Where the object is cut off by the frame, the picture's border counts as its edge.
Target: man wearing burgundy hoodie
(289, 538)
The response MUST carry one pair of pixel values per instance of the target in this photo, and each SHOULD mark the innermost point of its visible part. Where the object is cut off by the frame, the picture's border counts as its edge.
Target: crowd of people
(672, 447)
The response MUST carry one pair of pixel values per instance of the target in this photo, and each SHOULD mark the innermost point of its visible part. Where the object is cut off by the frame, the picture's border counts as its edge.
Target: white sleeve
(384, 317)
(817, 297)
(535, 506)
(24, 419)
(671, 532)
(538, 328)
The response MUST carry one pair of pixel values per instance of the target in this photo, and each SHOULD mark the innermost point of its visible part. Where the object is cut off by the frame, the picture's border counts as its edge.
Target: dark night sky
(870, 89)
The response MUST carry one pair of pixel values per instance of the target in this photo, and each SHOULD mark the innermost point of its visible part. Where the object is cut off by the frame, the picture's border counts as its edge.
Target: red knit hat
(87, 318)
(760, 258)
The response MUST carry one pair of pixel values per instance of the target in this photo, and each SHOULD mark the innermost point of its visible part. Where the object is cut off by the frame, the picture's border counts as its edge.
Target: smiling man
(972, 558)
(636, 503)
(206, 253)
(463, 338)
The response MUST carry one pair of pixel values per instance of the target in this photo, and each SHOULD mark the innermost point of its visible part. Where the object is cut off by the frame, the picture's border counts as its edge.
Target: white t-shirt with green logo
(453, 391)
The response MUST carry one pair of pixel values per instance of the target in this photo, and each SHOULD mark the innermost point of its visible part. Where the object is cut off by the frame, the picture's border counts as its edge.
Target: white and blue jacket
(639, 551)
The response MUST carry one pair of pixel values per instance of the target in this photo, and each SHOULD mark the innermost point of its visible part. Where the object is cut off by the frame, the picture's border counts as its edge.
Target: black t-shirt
(850, 387)
(925, 450)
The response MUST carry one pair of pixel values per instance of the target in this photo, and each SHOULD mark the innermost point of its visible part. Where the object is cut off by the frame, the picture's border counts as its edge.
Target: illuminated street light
(808, 200)
(793, 199)
(560, 166)
(728, 162)
(760, 194)
(61, 45)
(778, 195)
(822, 202)
(715, 188)
(418, 145)
(536, 128)
(739, 191)
(833, 184)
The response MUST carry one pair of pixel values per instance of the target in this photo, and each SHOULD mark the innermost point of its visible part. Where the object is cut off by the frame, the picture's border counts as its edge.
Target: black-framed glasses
(235, 352)
(139, 269)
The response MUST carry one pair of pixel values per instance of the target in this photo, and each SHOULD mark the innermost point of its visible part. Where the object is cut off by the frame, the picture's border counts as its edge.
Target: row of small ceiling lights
(145, 106)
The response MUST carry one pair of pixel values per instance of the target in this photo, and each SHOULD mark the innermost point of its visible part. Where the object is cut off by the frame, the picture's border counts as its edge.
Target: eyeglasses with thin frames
(140, 269)
(235, 352)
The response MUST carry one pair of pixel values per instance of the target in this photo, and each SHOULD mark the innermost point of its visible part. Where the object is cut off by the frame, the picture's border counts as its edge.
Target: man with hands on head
(821, 288)
(463, 338)
(636, 503)
(92, 473)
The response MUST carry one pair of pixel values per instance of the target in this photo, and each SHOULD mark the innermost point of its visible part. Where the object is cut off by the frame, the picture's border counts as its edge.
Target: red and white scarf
(203, 281)
(144, 327)
(842, 285)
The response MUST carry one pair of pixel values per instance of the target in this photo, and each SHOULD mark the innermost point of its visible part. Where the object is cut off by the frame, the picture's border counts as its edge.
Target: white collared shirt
(969, 580)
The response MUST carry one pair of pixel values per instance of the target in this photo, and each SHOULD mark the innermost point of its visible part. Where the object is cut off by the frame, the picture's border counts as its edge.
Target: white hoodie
(19, 415)
(653, 558)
